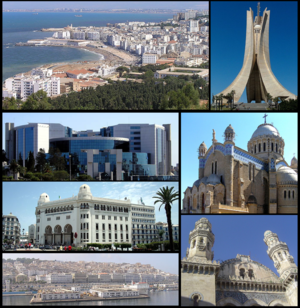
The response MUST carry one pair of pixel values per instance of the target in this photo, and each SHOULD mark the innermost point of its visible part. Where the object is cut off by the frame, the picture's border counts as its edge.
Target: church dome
(286, 175)
(213, 179)
(203, 145)
(199, 181)
(44, 198)
(265, 129)
(202, 149)
(84, 192)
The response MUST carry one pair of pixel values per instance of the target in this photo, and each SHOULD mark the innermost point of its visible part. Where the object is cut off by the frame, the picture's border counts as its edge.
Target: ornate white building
(239, 281)
(86, 219)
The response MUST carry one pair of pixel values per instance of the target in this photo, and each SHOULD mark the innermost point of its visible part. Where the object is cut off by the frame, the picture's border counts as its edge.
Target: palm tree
(166, 197)
(13, 166)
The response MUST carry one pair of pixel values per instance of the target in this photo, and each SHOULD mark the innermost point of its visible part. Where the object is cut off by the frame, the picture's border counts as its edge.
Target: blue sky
(165, 262)
(237, 234)
(198, 127)
(95, 121)
(21, 198)
(7, 5)
(228, 36)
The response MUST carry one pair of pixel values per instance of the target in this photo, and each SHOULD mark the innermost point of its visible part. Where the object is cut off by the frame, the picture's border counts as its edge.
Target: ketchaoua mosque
(239, 281)
(234, 180)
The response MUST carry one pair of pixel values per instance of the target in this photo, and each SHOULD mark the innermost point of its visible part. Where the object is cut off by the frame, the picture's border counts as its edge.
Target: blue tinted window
(135, 127)
(20, 142)
(28, 141)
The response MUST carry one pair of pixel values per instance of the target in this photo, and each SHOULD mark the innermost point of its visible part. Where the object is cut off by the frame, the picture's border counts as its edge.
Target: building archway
(68, 235)
(57, 235)
(48, 235)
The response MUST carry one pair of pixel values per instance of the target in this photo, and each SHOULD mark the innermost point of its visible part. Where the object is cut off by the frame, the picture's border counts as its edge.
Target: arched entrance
(68, 235)
(48, 235)
(57, 235)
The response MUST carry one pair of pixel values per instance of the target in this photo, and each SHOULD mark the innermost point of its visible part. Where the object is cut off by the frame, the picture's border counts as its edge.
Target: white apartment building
(164, 226)
(141, 287)
(87, 219)
(104, 277)
(204, 28)
(42, 72)
(78, 35)
(93, 35)
(59, 278)
(62, 35)
(193, 26)
(129, 277)
(11, 228)
(24, 86)
(149, 58)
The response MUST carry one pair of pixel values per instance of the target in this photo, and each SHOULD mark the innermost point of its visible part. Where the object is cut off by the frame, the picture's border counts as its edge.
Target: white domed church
(239, 281)
(234, 180)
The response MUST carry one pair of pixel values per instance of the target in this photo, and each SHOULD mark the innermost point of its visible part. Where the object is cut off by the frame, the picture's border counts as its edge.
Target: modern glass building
(133, 149)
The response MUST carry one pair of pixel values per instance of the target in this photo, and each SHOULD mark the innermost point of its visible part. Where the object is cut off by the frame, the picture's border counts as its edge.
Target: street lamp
(70, 156)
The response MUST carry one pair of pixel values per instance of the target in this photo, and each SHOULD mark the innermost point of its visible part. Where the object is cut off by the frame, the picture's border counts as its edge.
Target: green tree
(55, 159)
(122, 69)
(41, 160)
(4, 158)
(13, 166)
(161, 233)
(30, 162)
(166, 196)
(20, 160)
(61, 175)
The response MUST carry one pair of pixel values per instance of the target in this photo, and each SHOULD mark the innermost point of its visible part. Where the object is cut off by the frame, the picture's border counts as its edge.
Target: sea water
(20, 27)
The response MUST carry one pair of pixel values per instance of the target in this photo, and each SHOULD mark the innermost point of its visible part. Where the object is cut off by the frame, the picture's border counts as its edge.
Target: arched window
(272, 147)
(284, 194)
(253, 172)
(242, 272)
(208, 245)
(280, 256)
(264, 147)
(293, 194)
(212, 168)
(289, 194)
(276, 147)
(216, 168)
(255, 149)
(250, 273)
(201, 240)
(259, 147)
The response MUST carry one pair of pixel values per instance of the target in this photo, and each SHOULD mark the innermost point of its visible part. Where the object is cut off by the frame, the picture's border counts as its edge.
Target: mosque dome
(213, 179)
(43, 198)
(286, 175)
(265, 129)
(84, 192)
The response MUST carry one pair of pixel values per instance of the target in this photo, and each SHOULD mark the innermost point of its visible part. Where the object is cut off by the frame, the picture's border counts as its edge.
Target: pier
(35, 300)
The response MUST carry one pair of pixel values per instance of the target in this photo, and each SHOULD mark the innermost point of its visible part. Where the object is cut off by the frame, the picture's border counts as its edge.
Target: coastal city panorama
(89, 280)
(105, 57)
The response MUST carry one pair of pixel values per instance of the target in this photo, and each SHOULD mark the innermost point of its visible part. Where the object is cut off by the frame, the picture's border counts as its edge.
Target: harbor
(86, 299)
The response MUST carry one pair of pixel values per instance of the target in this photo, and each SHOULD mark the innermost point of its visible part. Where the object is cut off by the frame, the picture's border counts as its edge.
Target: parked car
(41, 247)
(47, 247)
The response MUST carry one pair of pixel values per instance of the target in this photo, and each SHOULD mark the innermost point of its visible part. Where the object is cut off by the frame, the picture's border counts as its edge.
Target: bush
(61, 175)
(85, 177)
(28, 175)
(34, 178)
(48, 177)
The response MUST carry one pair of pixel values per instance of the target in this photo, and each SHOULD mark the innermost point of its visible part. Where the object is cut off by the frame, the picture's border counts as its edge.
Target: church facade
(234, 180)
(239, 281)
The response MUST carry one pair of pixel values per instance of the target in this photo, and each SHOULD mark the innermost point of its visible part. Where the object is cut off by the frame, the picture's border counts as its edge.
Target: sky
(95, 121)
(228, 36)
(165, 262)
(7, 5)
(237, 234)
(20, 198)
(196, 128)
